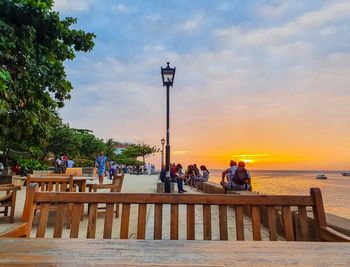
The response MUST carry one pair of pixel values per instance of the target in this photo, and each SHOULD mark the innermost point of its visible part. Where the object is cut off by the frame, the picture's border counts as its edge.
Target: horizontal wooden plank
(49, 179)
(60, 252)
(134, 198)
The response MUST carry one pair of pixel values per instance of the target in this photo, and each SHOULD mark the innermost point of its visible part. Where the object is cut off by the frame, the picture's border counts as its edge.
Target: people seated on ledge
(177, 174)
(238, 177)
(190, 175)
(204, 177)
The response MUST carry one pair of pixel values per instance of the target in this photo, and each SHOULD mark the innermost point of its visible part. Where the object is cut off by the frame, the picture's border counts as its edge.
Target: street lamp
(168, 75)
(162, 142)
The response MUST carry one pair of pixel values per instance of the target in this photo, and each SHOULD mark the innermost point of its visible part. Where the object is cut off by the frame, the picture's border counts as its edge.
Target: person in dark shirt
(176, 173)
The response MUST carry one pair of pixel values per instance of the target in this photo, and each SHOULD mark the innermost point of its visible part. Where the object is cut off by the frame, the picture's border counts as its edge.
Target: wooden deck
(68, 252)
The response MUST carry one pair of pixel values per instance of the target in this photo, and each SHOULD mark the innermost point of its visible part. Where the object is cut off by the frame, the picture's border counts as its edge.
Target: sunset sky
(262, 81)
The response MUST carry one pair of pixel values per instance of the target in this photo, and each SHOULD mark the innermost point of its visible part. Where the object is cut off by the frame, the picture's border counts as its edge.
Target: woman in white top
(205, 174)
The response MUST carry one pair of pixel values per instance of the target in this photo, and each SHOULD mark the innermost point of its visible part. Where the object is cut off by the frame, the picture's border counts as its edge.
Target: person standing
(149, 169)
(100, 164)
(112, 169)
(70, 163)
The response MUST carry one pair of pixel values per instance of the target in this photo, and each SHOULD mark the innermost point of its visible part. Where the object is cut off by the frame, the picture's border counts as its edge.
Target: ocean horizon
(335, 188)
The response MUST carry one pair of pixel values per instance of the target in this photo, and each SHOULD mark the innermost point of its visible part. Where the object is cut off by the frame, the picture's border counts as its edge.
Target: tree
(90, 145)
(64, 141)
(138, 150)
(110, 148)
(34, 43)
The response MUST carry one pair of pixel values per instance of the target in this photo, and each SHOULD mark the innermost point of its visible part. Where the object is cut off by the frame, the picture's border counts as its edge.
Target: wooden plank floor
(65, 252)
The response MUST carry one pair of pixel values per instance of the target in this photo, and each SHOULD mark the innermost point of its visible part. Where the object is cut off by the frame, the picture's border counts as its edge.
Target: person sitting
(189, 175)
(205, 174)
(176, 173)
(229, 173)
(239, 177)
(203, 178)
(242, 177)
(16, 169)
(197, 175)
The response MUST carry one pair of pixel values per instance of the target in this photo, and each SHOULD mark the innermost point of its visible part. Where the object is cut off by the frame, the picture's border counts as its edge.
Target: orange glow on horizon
(258, 161)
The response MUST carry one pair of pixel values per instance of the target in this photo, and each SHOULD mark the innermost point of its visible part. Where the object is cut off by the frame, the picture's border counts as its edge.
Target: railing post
(318, 211)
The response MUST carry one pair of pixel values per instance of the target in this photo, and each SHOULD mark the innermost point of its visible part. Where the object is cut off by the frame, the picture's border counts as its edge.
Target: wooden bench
(47, 183)
(114, 187)
(23, 228)
(76, 181)
(54, 184)
(8, 200)
(254, 203)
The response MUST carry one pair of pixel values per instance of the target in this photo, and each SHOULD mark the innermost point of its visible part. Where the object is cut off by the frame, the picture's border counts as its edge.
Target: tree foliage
(34, 43)
(133, 151)
(76, 143)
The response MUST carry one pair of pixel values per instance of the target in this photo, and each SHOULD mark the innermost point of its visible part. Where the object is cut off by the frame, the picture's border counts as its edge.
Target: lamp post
(162, 142)
(168, 75)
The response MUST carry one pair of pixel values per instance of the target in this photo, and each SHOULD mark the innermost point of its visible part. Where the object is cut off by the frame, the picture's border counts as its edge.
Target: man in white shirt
(229, 173)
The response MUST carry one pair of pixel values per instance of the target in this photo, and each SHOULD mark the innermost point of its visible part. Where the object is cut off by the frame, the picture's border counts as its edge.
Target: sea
(335, 189)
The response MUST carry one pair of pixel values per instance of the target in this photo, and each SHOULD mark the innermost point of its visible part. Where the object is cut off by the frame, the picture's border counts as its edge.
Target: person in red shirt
(16, 168)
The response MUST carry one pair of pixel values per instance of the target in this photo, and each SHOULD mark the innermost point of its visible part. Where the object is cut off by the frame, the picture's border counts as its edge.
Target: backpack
(240, 176)
(162, 175)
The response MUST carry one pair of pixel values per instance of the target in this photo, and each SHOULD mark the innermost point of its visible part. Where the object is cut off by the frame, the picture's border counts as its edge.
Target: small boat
(345, 173)
(321, 176)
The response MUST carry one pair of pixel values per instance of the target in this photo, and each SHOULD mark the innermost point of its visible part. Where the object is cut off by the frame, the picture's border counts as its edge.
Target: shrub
(79, 162)
(32, 164)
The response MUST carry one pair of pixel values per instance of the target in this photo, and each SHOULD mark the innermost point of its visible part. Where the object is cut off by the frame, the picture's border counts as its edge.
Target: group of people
(191, 176)
(105, 166)
(194, 177)
(237, 177)
(64, 162)
(19, 170)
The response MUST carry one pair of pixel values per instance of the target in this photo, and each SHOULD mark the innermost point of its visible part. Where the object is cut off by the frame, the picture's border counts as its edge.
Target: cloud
(154, 17)
(279, 9)
(121, 8)
(192, 24)
(249, 87)
(152, 48)
(299, 27)
(76, 5)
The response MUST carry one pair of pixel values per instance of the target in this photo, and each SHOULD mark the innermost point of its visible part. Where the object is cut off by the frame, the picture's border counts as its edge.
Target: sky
(264, 81)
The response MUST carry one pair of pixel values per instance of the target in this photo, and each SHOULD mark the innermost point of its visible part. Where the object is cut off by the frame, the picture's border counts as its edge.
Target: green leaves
(132, 152)
(34, 43)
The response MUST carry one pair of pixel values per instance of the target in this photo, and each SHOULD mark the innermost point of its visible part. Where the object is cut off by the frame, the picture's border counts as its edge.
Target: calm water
(335, 190)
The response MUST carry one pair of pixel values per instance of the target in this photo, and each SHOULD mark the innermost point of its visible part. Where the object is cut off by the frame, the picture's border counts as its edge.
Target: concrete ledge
(160, 187)
(211, 188)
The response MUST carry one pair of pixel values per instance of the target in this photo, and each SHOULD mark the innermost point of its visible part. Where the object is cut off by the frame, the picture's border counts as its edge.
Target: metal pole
(162, 156)
(167, 188)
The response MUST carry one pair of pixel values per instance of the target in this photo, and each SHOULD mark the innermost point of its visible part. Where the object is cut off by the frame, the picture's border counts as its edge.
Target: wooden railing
(239, 203)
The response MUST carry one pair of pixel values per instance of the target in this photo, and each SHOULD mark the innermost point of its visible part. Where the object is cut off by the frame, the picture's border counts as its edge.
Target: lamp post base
(167, 185)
